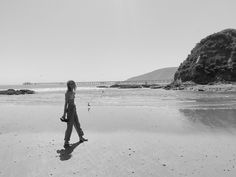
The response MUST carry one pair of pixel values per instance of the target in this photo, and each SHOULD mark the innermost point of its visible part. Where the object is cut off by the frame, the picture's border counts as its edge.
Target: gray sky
(57, 40)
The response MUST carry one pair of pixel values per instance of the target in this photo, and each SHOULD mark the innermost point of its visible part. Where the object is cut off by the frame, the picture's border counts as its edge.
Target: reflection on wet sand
(213, 118)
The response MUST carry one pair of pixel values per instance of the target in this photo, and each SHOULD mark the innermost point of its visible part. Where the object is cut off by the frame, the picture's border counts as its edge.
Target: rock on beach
(16, 92)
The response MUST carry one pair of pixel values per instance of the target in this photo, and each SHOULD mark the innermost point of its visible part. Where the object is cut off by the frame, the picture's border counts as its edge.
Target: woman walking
(72, 117)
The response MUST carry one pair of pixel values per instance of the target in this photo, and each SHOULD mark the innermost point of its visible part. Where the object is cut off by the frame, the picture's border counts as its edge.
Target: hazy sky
(57, 40)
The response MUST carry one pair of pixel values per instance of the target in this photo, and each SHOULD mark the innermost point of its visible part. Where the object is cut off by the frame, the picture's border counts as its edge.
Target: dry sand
(31, 146)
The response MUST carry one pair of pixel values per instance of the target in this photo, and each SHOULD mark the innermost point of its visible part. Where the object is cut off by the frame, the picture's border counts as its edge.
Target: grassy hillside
(159, 74)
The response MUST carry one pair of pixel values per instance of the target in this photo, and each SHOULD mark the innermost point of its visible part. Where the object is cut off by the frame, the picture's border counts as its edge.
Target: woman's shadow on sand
(65, 154)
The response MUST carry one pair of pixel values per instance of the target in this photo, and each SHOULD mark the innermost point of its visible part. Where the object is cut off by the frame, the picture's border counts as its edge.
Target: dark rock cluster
(211, 60)
(133, 86)
(16, 92)
(125, 86)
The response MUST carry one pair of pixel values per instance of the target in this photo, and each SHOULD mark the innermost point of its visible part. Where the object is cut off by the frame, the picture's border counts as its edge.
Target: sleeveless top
(70, 97)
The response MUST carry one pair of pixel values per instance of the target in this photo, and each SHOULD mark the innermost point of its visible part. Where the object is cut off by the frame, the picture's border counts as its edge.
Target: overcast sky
(87, 40)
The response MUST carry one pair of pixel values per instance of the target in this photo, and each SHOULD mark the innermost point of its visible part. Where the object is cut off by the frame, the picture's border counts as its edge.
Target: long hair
(71, 85)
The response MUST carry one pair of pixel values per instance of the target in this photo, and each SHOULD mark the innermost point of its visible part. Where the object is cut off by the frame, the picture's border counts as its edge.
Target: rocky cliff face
(211, 60)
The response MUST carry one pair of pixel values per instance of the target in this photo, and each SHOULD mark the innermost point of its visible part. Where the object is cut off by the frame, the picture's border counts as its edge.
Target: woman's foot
(82, 139)
(66, 145)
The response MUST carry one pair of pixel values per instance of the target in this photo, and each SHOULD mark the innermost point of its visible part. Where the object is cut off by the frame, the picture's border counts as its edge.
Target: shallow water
(161, 111)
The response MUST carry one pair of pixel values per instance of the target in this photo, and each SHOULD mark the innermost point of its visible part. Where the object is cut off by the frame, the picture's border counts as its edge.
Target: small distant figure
(72, 117)
(102, 93)
(88, 105)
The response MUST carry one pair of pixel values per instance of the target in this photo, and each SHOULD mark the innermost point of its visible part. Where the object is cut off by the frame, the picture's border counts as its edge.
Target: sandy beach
(124, 140)
(118, 154)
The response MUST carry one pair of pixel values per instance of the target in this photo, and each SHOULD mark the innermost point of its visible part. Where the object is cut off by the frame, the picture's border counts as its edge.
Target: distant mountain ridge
(159, 74)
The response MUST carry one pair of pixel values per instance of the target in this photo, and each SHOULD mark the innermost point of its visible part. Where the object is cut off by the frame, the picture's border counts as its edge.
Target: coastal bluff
(213, 59)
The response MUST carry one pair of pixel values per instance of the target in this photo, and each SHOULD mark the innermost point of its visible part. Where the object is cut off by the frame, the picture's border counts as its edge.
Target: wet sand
(123, 141)
(218, 87)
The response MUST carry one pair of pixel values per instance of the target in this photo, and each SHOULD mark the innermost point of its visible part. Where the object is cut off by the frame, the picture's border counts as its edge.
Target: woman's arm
(65, 106)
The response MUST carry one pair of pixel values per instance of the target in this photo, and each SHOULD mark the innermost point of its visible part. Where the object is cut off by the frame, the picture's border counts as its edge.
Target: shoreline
(187, 86)
(212, 87)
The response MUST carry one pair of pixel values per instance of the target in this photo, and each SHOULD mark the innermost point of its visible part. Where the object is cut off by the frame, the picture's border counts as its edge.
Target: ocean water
(111, 109)
(54, 94)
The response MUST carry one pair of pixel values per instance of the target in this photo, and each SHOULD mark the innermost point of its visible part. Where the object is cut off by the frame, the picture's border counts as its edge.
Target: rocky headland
(213, 59)
(211, 65)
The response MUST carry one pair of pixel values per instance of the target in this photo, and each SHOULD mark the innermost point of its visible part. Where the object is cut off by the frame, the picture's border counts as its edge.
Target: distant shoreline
(186, 86)
(212, 87)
